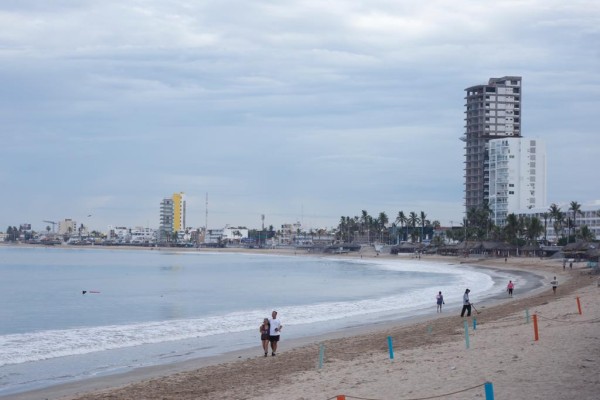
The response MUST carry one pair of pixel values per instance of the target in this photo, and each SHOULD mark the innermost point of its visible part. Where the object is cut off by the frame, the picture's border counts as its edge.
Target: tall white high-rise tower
(517, 176)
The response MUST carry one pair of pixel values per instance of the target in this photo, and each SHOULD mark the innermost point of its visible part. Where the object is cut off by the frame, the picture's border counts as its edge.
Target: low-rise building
(235, 234)
(140, 235)
(214, 236)
(590, 217)
(67, 227)
(289, 233)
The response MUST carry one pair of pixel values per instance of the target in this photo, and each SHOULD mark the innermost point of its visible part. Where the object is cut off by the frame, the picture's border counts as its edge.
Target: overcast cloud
(299, 110)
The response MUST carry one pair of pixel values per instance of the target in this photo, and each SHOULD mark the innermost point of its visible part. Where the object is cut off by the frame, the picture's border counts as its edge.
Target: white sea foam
(48, 344)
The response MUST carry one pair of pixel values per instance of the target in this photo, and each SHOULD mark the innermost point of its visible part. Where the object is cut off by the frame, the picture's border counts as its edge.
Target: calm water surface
(150, 307)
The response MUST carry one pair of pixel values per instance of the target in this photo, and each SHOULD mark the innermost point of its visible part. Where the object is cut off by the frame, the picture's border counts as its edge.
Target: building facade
(179, 204)
(67, 227)
(166, 217)
(590, 217)
(172, 214)
(516, 175)
(493, 111)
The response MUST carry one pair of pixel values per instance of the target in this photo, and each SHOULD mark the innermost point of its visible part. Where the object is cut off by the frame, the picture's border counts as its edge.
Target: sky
(296, 110)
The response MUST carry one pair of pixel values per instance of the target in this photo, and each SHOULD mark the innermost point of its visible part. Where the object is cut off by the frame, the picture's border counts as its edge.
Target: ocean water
(145, 308)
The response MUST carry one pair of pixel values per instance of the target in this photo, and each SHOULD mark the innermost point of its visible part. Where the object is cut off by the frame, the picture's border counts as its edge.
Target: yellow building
(178, 212)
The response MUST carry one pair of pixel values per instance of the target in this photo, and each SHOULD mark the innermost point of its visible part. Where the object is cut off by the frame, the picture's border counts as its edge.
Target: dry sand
(430, 356)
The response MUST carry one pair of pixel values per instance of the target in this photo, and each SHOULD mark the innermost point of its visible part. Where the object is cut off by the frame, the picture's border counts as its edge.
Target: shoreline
(237, 362)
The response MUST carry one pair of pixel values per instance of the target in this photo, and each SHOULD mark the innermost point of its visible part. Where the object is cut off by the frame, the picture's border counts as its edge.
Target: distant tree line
(520, 230)
(477, 225)
(376, 229)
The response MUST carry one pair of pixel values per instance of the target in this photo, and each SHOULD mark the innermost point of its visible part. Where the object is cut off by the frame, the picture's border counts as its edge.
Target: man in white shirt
(466, 304)
(554, 284)
(274, 332)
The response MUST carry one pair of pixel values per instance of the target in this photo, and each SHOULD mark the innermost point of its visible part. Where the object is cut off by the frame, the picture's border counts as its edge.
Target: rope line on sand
(589, 321)
(504, 320)
(418, 398)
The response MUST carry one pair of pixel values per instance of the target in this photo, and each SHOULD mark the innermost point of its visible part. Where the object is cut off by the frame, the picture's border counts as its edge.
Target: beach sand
(431, 357)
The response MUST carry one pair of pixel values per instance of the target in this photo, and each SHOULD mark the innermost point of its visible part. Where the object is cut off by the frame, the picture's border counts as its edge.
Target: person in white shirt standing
(466, 304)
(275, 331)
(554, 284)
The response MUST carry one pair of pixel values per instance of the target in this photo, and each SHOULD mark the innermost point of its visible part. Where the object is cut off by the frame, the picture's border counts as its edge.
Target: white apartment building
(289, 233)
(67, 226)
(141, 235)
(121, 233)
(213, 236)
(516, 169)
(234, 234)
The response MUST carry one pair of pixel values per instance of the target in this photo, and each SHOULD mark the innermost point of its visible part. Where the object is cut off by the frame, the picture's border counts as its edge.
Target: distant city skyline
(299, 112)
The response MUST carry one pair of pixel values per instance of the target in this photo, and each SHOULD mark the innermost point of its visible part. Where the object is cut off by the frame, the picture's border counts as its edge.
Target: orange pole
(535, 327)
(340, 397)
(579, 305)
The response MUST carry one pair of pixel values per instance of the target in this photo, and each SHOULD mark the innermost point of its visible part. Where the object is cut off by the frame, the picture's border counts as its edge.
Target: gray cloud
(298, 110)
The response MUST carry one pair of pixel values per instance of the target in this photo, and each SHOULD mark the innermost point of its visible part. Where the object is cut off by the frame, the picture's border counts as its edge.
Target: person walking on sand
(466, 304)
(265, 335)
(510, 287)
(554, 284)
(275, 328)
(440, 300)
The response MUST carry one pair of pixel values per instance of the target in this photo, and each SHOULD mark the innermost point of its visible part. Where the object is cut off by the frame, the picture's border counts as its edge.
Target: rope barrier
(418, 398)
(509, 319)
(590, 321)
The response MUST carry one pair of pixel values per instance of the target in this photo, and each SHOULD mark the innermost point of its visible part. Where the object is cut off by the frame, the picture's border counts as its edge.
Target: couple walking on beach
(466, 304)
(269, 333)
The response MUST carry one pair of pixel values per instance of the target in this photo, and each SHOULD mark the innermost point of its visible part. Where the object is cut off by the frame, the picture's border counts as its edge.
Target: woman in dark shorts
(264, 335)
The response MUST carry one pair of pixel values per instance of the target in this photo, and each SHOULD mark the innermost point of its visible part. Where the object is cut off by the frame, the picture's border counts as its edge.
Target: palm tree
(586, 234)
(364, 219)
(533, 229)
(546, 216)
(485, 219)
(413, 220)
(559, 223)
(423, 220)
(576, 208)
(401, 218)
(557, 216)
(382, 220)
(321, 232)
(512, 228)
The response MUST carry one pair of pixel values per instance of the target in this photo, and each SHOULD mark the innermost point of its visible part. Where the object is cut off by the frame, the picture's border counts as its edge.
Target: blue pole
(474, 323)
(429, 329)
(527, 315)
(390, 347)
(321, 354)
(467, 334)
(489, 391)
